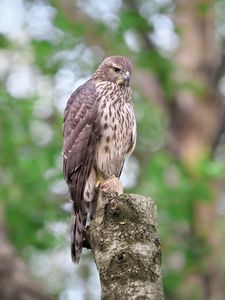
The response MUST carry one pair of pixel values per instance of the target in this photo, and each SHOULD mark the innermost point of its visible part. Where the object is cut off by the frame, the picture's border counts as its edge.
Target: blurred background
(49, 48)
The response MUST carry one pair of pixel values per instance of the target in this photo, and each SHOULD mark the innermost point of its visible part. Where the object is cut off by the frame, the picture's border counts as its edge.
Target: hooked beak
(126, 78)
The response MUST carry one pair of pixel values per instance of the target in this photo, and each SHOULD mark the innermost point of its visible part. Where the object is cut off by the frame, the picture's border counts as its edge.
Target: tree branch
(126, 247)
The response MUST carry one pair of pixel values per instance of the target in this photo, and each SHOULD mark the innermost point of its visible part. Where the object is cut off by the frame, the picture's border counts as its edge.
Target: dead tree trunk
(126, 247)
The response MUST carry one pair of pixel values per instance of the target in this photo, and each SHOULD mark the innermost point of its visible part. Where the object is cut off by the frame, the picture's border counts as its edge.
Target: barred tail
(78, 222)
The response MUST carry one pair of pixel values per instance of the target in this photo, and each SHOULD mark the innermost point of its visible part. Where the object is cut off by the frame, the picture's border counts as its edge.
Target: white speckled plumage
(118, 128)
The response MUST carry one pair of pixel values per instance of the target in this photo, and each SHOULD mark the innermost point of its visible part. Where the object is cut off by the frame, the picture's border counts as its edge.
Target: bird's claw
(111, 185)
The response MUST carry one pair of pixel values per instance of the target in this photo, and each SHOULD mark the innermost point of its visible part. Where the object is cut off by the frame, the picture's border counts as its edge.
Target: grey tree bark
(126, 247)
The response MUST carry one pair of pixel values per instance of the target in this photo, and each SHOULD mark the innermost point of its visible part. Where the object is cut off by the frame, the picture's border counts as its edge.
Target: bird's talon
(112, 185)
(98, 184)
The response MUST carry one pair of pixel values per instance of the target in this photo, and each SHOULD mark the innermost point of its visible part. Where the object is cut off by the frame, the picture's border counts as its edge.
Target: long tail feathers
(78, 223)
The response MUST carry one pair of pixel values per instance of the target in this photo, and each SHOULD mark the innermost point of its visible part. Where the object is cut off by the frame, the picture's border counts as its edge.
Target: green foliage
(43, 51)
(174, 188)
(4, 42)
(131, 19)
(210, 169)
(68, 27)
(23, 166)
(203, 8)
(193, 86)
(152, 126)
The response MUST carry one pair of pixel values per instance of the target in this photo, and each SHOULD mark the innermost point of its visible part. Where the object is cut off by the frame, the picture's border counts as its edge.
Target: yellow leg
(109, 185)
(99, 178)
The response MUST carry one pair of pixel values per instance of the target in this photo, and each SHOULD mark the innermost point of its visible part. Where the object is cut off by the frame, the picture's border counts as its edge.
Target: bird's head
(115, 69)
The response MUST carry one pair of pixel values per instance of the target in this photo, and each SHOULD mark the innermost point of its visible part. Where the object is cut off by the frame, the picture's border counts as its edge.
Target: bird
(99, 132)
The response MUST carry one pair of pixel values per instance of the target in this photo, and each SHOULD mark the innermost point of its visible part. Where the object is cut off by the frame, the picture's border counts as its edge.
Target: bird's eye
(117, 70)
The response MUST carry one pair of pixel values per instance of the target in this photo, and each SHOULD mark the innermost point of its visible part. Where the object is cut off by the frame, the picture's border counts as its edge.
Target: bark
(126, 247)
(16, 281)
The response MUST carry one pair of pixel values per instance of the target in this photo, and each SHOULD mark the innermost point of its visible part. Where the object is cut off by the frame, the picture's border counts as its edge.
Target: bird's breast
(118, 127)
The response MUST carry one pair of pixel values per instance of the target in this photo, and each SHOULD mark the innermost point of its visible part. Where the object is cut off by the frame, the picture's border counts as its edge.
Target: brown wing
(81, 133)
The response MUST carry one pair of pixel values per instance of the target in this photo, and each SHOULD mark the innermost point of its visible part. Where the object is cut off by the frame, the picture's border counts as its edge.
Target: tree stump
(126, 247)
